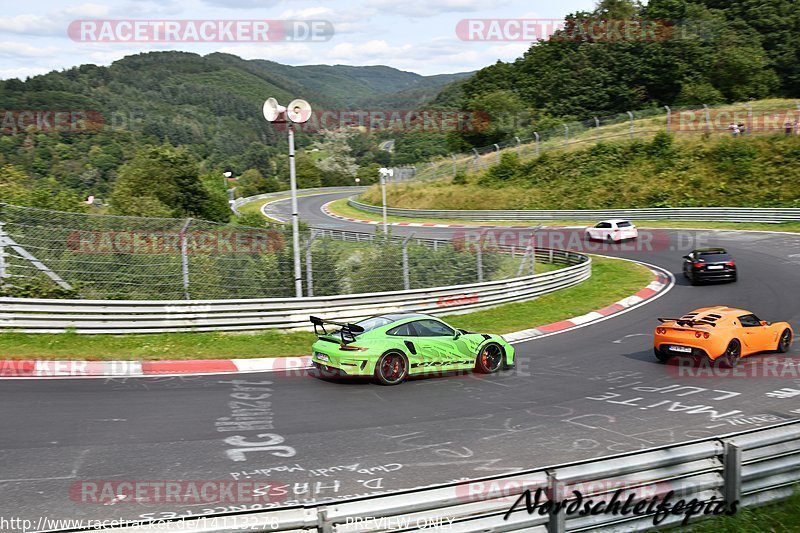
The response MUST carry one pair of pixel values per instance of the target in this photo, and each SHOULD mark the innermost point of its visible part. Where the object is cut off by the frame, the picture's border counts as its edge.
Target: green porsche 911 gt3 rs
(392, 347)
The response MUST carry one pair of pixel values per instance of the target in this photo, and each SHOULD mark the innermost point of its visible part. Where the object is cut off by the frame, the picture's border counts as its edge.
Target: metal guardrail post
(536, 135)
(555, 489)
(597, 129)
(185, 260)
(324, 525)
(732, 472)
(406, 277)
(519, 144)
(309, 270)
(669, 117)
(497, 151)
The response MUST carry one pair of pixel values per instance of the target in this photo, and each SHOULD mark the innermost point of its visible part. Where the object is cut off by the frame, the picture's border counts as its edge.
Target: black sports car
(709, 264)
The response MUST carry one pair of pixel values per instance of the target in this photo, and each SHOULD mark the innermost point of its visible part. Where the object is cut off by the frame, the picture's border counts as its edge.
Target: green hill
(664, 171)
(209, 104)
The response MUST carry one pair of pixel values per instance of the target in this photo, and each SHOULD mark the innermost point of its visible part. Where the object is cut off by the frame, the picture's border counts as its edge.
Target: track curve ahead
(586, 393)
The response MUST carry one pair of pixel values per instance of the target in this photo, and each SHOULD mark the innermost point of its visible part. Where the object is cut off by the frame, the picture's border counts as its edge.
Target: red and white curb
(328, 212)
(36, 369)
(663, 282)
(122, 369)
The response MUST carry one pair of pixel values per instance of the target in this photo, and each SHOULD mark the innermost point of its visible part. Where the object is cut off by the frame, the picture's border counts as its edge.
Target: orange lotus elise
(722, 333)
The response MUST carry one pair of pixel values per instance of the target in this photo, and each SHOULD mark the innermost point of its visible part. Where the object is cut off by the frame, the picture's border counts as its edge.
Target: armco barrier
(34, 315)
(721, 214)
(239, 202)
(753, 468)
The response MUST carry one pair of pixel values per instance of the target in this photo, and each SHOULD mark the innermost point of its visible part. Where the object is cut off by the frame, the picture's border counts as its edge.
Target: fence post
(750, 118)
(708, 118)
(497, 150)
(630, 114)
(597, 129)
(669, 117)
(2, 253)
(477, 160)
(309, 271)
(519, 144)
(566, 134)
(406, 277)
(536, 135)
(479, 261)
(732, 472)
(185, 260)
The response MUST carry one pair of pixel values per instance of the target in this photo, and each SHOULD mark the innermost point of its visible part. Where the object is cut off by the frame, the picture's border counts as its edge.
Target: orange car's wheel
(660, 355)
(785, 341)
(732, 354)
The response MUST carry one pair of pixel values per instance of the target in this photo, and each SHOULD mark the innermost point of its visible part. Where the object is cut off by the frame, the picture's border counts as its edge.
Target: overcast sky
(414, 35)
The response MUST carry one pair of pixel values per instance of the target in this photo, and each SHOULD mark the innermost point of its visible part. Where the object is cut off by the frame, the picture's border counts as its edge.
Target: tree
(252, 182)
(307, 173)
(336, 152)
(166, 180)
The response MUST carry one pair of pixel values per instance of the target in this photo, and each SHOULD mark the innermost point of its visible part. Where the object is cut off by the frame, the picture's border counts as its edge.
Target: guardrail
(35, 315)
(723, 214)
(239, 202)
(751, 468)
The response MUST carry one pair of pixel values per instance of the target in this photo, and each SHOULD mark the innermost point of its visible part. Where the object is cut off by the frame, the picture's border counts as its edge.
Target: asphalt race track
(586, 393)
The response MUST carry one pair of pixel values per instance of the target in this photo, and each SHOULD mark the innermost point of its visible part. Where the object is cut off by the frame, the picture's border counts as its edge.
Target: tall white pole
(298, 273)
(383, 194)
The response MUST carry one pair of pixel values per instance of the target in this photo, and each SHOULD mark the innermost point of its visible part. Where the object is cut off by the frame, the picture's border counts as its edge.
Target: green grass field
(611, 280)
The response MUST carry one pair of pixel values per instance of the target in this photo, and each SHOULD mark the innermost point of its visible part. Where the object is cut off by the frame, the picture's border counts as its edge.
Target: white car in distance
(614, 230)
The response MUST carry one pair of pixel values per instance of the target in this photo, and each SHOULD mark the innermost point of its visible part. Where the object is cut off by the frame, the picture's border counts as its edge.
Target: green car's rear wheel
(391, 369)
(490, 358)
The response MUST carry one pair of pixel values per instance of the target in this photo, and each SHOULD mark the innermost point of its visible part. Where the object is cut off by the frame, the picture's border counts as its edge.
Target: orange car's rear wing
(684, 322)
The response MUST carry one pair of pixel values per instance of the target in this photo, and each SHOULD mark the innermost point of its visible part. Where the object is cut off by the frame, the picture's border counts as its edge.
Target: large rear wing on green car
(347, 332)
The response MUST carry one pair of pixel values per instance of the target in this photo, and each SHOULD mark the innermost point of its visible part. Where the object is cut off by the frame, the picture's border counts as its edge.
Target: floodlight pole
(298, 272)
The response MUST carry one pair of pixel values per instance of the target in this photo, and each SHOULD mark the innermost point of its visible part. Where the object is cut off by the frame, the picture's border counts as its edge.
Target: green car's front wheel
(391, 369)
(490, 358)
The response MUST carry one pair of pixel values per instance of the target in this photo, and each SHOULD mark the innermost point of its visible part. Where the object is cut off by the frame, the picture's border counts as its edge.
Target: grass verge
(783, 517)
(341, 207)
(611, 280)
